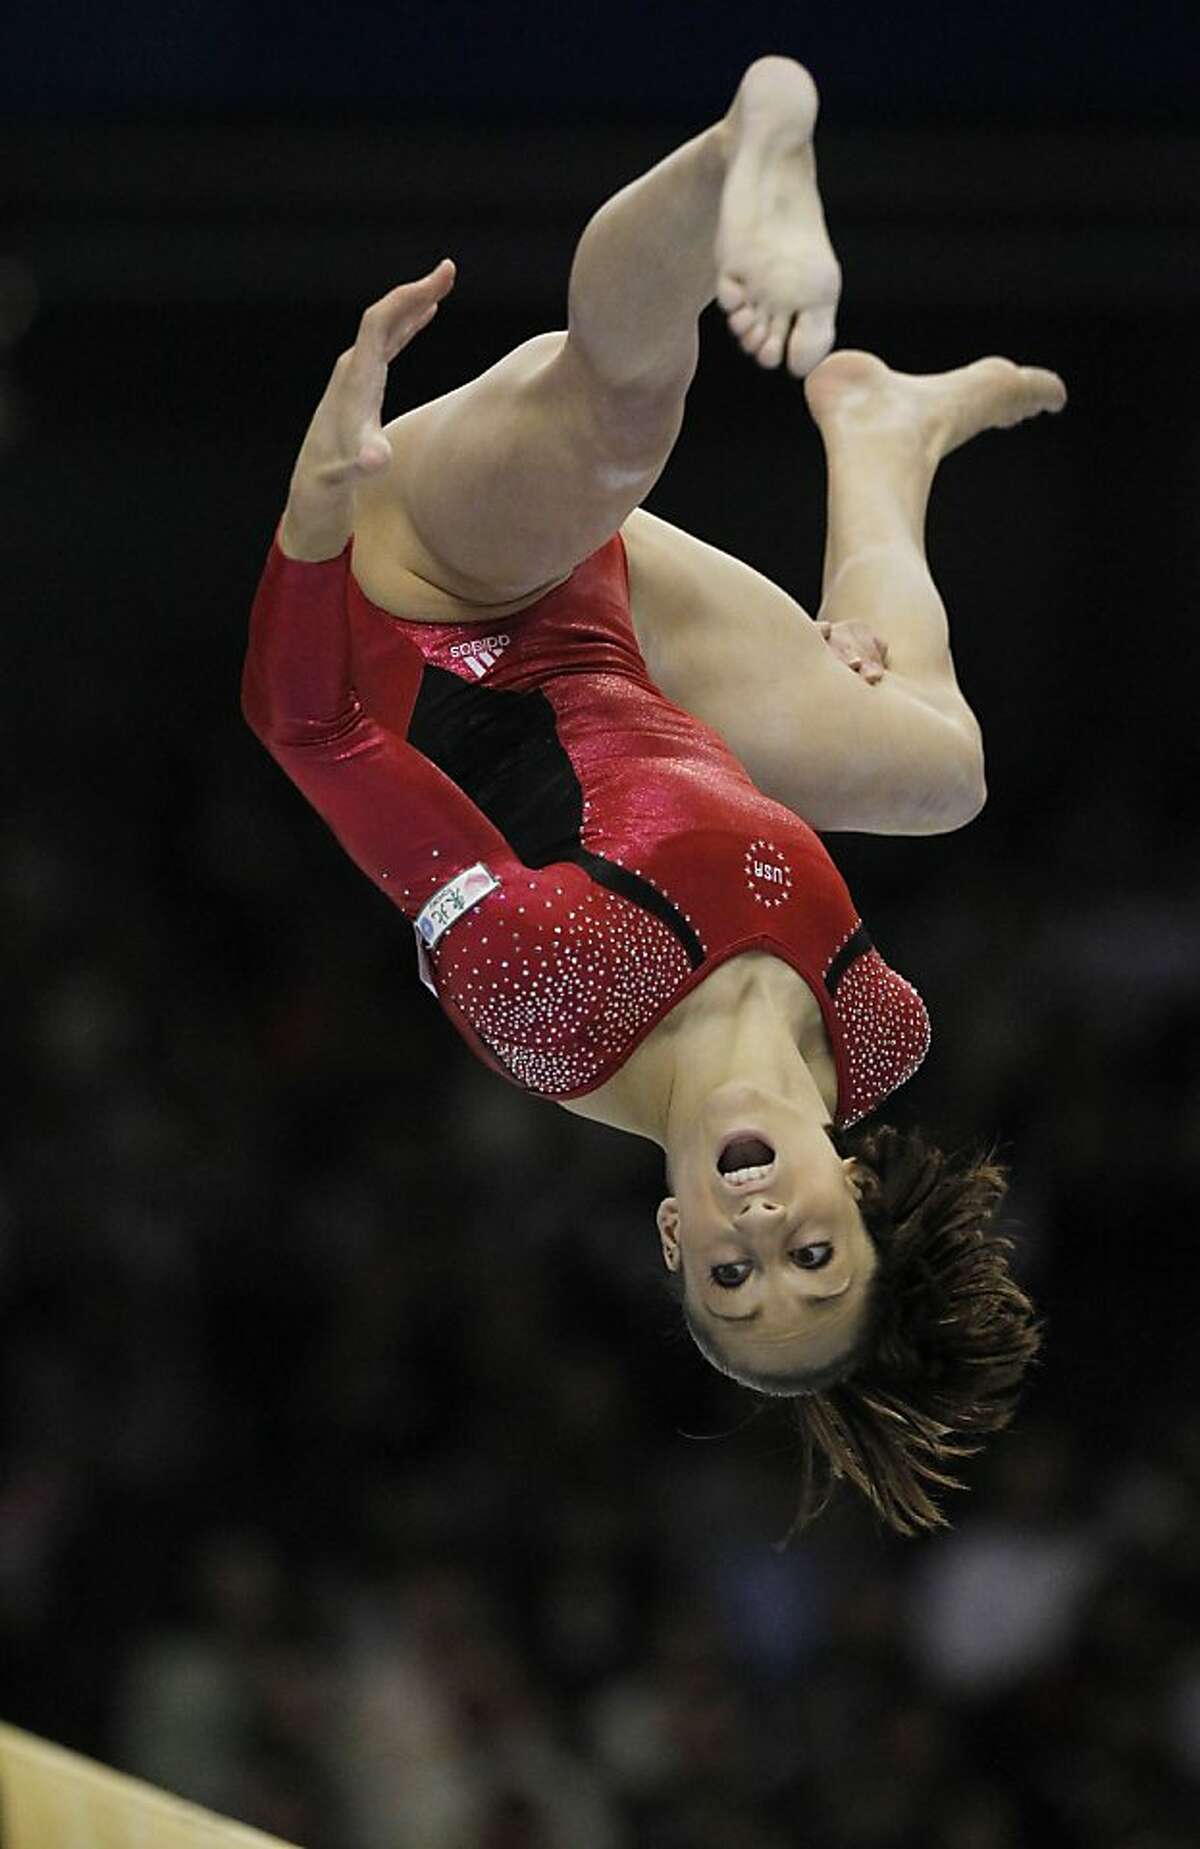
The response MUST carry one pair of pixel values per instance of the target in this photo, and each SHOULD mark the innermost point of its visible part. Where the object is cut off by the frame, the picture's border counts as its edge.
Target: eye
(729, 1276)
(813, 1257)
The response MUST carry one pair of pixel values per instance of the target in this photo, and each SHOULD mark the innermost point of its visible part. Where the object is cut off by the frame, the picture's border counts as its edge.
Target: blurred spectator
(1002, 1598)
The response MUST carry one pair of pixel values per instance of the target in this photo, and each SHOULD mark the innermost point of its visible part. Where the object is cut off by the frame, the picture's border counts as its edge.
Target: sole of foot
(778, 279)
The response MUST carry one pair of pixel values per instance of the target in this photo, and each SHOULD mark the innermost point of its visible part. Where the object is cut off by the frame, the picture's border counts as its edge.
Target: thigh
(731, 647)
(498, 490)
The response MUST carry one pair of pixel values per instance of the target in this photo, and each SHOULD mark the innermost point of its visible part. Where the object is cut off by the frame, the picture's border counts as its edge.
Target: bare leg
(885, 434)
(502, 487)
(902, 755)
(736, 209)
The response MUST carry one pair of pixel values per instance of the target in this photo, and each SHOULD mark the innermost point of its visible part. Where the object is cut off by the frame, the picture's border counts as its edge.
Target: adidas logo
(480, 655)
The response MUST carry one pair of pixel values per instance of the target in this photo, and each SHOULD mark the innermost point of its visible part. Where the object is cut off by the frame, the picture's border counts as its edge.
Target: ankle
(883, 467)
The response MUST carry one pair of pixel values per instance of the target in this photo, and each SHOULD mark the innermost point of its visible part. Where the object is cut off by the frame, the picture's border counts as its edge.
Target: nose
(759, 1206)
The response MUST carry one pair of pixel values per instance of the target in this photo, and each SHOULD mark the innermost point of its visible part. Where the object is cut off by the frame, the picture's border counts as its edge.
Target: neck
(753, 1021)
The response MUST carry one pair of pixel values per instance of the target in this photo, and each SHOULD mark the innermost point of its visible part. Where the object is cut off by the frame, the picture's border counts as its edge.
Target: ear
(853, 1174)
(668, 1232)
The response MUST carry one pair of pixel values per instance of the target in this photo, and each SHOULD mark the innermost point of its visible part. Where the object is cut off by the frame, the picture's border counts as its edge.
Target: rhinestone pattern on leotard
(562, 997)
(885, 1028)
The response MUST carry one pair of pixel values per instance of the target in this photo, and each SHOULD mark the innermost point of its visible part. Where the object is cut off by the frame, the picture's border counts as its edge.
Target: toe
(810, 340)
(731, 293)
(754, 336)
(743, 319)
(1048, 388)
(771, 351)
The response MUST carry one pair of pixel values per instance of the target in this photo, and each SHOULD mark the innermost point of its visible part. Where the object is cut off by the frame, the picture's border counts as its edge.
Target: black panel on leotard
(633, 886)
(853, 947)
(503, 751)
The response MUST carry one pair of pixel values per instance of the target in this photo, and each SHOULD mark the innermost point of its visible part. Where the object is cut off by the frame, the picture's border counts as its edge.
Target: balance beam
(52, 1799)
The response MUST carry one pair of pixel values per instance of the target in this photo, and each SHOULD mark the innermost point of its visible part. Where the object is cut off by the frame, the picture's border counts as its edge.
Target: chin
(730, 1094)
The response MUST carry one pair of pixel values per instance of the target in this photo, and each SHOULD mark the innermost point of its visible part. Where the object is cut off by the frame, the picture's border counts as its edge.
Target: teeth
(759, 1173)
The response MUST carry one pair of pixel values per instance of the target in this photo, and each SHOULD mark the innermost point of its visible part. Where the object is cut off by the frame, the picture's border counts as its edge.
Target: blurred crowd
(357, 1478)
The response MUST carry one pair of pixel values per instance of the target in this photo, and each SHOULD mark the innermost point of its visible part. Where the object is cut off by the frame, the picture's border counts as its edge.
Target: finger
(410, 297)
(386, 328)
(389, 324)
(360, 379)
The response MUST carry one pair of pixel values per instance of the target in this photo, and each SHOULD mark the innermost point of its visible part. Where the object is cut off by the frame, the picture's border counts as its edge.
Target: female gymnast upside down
(574, 744)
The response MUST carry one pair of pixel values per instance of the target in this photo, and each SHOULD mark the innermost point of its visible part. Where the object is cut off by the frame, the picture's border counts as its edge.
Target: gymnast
(589, 757)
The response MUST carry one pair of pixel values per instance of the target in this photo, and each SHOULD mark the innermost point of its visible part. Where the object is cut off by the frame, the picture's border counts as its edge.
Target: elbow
(952, 792)
(268, 721)
(285, 727)
(255, 709)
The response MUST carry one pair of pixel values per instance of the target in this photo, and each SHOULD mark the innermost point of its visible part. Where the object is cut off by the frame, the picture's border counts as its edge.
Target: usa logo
(768, 875)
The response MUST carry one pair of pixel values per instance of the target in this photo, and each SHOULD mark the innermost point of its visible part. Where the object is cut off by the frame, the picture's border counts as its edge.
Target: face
(765, 1227)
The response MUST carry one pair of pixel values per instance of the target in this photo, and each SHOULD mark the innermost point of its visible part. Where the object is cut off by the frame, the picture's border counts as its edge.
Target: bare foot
(855, 392)
(777, 277)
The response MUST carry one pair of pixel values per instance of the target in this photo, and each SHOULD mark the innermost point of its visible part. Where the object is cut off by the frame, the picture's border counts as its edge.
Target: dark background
(355, 1475)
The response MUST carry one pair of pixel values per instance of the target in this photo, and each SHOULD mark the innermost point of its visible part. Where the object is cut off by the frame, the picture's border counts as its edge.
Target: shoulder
(885, 1031)
(559, 976)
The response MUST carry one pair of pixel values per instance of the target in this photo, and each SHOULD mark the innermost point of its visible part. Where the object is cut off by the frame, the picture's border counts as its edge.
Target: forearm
(296, 685)
(399, 817)
(315, 526)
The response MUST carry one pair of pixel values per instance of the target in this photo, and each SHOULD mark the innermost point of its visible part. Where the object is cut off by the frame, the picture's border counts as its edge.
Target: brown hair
(945, 1341)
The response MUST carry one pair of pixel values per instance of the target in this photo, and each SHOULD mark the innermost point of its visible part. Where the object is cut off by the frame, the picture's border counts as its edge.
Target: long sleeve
(401, 819)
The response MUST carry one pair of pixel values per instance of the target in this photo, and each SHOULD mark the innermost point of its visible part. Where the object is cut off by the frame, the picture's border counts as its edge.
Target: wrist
(313, 540)
(319, 517)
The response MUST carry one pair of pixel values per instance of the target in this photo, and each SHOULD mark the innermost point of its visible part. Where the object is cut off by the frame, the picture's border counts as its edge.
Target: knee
(965, 807)
(637, 399)
(959, 792)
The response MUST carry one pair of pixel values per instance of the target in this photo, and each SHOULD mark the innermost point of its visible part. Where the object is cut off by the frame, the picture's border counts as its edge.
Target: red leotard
(576, 851)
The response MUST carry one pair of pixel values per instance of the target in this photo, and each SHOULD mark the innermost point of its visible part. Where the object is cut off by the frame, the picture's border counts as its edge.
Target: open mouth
(745, 1158)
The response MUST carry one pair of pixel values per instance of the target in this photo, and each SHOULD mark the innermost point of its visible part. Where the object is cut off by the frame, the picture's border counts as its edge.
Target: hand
(345, 442)
(858, 646)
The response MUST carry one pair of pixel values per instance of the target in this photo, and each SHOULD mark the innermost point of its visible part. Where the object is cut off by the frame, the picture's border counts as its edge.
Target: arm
(403, 821)
(345, 443)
